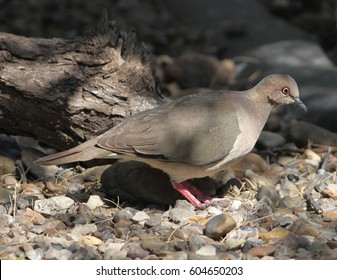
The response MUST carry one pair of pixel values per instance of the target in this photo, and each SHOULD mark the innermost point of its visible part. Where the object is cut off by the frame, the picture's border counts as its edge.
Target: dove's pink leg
(192, 194)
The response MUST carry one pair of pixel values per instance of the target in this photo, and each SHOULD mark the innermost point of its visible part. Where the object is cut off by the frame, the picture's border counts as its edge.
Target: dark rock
(137, 182)
(219, 226)
(155, 246)
(301, 132)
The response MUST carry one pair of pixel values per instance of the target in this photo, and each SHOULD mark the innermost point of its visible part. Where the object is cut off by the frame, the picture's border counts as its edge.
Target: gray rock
(184, 204)
(124, 214)
(80, 230)
(289, 188)
(135, 250)
(54, 205)
(153, 221)
(207, 250)
(187, 232)
(246, 232)
(19, 239)
(284, 253)
(54, 254)
(286, 220)
(33, 254)
(140, 216)
(251, 242)
(3, 210)
(155, 246)
(180, 214)
(200, 240)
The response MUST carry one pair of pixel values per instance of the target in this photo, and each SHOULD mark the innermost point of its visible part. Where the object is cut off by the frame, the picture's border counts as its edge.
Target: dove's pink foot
(194, 195)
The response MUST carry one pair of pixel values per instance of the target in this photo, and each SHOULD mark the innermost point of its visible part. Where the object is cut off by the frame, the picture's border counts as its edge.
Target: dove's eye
(286, 90)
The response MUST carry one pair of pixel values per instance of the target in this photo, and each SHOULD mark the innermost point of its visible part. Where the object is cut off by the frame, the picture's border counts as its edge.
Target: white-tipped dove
(191, 137)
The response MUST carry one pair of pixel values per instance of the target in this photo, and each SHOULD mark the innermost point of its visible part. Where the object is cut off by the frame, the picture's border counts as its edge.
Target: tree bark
(64, 92)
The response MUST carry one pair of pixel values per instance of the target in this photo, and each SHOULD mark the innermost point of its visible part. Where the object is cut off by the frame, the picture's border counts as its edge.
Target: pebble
(234, 244)
(289, 188)
(80, 230)
(140, 216)
(207, 250)
(19, 239)
(124, 214)
(54, 254)
(218, 226)
(153, 221)
(54, 205)
(32, 190)
(31, 253)
(180, 214)
(54, 228)
(94, 201)
(312, 158)
(31, 216)
(263, 250)
(10, 182)
(2, 209)
(256, 181)
(198, 241)
(283, 253)
(292, 202)
(184, 204)
(286, 220)
(188, 231)
(90, 240)
(246, 232)
(271, 235)
(269, 192)
(155, 246)
(251, 242)
(135, 250)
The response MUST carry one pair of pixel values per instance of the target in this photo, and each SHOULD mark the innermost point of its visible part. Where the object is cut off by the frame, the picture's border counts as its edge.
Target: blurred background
(200, 45)
(171, 27)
